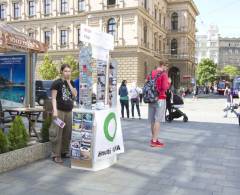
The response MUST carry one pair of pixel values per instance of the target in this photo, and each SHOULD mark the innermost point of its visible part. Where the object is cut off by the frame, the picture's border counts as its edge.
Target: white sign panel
(108, 138)
(96, 38)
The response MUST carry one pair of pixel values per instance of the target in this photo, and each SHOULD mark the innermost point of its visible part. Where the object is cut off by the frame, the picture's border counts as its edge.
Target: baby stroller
(232, 108)
(174, 108)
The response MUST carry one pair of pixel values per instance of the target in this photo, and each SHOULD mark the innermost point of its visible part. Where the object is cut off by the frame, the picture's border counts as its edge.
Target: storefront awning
(12, 39)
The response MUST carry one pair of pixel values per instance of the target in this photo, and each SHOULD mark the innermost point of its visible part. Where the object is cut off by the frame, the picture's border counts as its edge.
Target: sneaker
(157, 144)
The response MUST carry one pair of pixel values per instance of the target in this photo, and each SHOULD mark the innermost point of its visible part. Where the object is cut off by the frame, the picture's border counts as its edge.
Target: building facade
(229, 52)
(145, 31)
(207, 46)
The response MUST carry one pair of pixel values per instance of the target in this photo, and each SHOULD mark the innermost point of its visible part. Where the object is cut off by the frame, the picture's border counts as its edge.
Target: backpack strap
(158, 75)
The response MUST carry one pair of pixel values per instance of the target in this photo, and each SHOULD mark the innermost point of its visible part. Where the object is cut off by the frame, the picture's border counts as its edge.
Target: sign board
(108, 138)
(96, 38)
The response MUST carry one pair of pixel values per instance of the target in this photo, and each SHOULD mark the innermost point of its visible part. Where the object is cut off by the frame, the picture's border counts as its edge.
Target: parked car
(43, 90)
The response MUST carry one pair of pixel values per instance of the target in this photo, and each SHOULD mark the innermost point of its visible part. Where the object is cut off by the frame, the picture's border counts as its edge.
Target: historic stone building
(207, 44)
(229, 52)
(145, 31)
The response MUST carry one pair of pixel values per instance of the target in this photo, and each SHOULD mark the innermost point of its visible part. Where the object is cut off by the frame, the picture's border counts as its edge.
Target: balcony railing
(180, 57)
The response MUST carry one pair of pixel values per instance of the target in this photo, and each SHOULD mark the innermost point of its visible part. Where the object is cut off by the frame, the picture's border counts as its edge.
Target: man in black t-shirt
(63, 94)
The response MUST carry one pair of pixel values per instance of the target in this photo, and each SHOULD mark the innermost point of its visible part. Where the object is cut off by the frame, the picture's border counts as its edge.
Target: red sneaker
(157, 144)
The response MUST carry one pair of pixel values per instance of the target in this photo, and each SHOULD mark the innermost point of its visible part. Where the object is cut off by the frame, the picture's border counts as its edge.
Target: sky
(223, 13)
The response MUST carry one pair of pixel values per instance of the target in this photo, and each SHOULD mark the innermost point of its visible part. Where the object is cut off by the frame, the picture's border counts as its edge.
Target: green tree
(231, 71)
(17, 136)
(206, 71)
(48, 69)
(74, 65)
(3, 142)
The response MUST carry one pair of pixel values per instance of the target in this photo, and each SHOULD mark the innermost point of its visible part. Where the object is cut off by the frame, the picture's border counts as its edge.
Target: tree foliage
(48, 69)
(206, 71)
(3, 142)
(17, 136)
(231, 71)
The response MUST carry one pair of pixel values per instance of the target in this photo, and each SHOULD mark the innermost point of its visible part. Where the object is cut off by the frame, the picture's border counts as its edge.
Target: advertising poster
(12, 78)
(81, 141)
(86, 80)
(113, 83)
(101, 80)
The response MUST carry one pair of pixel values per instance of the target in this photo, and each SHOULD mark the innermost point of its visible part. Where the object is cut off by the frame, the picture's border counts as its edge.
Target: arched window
(174, 20)
(111, 29)
(145, 35)
(174, 47)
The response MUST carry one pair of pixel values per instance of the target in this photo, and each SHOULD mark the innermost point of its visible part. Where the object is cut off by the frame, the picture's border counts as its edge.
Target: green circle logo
(111, 118)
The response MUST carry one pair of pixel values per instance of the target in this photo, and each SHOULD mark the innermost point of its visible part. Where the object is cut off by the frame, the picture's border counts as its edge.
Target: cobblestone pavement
(201, 157)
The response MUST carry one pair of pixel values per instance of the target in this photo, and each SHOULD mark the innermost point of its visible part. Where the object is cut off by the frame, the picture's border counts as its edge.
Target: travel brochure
(81, 142)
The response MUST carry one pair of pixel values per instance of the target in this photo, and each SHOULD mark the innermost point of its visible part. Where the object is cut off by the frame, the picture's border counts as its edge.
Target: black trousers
(134, 102)
(124, 103)
(141, 98)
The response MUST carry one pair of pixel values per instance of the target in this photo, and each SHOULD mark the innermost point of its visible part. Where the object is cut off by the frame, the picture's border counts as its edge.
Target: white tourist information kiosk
(97, 133)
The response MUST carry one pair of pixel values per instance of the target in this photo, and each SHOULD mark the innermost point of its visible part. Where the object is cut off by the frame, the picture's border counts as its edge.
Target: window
(145, 4)
(2, 11)
(47, 37)
(111, 2)
(31, 8)
(111, 27)
(79, 36)
(174, 20)
(155, 41)
(63, 37)
(160, 19)
(145, 35)
(31, 34)
(155, 13)
(174, 47)
(81, 5)
(64, 6)
(47, 7)
(164, 21)
(16, 10)
(160, 45)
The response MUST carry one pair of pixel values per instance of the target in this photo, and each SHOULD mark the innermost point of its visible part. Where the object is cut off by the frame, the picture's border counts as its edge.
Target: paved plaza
(201, 157)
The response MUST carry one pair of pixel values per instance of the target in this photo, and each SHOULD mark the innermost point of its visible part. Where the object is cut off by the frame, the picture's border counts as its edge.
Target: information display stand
(97, 133)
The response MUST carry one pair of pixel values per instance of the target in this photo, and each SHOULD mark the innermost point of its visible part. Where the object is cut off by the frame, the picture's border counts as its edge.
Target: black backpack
(150, 92)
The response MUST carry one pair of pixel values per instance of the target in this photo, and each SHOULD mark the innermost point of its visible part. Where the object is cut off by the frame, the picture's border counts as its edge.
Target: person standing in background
(124, 100)
(134, 93)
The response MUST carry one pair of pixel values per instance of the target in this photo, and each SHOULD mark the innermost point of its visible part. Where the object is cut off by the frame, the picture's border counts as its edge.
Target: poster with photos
(86, 80)
(81, 141)
(112, 93)
(101, 80)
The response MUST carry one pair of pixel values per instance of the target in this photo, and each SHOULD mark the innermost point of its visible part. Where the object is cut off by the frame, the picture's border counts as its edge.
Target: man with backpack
(154, 93)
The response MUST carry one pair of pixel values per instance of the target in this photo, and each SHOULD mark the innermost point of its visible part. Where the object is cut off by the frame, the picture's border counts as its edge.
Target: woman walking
(124, 100)
(63, 94)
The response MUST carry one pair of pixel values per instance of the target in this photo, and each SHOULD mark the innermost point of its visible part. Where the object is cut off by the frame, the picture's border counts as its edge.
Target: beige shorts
(156, 111)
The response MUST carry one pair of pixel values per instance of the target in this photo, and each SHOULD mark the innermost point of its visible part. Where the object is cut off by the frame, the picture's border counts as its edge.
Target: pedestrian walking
(195, 92)
(134, 93)
(124, 100)
(63, 94)
(156, 108)
(229, 97)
